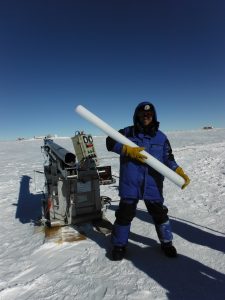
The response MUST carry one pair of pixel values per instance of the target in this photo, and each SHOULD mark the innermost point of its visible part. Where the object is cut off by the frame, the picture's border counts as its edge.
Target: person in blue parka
(140, 181)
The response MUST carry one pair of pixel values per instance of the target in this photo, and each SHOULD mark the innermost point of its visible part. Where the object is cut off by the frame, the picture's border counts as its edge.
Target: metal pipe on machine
(66, 156)
(150, 160)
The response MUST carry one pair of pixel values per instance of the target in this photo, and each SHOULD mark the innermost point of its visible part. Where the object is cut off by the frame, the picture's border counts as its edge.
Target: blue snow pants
(127, 211)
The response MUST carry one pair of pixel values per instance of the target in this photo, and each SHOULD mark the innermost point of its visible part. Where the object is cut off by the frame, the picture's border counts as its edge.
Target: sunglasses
(148, 114)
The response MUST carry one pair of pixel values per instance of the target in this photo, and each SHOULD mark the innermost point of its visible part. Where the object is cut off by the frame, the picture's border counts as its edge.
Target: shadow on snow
(29, 206)
(183, 277)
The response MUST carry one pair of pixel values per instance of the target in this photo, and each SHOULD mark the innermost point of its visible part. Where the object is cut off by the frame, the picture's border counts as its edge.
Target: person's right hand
(134, 153)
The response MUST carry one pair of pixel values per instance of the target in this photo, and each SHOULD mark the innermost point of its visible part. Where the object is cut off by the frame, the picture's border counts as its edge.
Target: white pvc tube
(150, 160)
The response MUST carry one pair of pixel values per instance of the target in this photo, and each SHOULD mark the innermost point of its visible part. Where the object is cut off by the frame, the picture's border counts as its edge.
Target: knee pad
(158, 211)
(125, 213)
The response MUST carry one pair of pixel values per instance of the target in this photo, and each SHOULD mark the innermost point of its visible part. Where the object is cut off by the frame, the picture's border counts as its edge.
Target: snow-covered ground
(32, 269)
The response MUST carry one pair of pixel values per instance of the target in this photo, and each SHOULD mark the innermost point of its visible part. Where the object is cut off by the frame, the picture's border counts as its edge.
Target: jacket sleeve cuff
(174, 166)
(118, 148)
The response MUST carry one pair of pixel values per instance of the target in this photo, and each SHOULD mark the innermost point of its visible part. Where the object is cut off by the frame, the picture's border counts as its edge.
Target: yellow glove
(134, 153)
(180, 172)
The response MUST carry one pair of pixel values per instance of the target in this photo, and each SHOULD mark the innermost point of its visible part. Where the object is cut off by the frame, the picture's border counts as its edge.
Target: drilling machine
(72, 183)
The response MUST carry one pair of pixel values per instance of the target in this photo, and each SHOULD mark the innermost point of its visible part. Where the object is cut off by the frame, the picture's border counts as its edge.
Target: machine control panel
(84, 146)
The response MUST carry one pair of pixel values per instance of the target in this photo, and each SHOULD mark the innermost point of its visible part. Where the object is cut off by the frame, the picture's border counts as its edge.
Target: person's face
(145, 117)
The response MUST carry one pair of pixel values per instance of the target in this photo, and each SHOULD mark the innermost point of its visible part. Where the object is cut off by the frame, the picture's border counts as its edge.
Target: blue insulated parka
(138, 180)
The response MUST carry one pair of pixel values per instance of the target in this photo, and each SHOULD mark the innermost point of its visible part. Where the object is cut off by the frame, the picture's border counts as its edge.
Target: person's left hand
(180, 172)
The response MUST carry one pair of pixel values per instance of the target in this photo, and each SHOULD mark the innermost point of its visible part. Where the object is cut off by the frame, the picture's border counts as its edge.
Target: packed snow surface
(31, 268)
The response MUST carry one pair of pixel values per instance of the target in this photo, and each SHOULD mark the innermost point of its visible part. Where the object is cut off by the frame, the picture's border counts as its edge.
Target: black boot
(169, 249)
(118, 252)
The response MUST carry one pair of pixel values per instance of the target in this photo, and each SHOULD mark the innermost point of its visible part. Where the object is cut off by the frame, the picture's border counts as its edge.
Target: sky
(109, 56)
